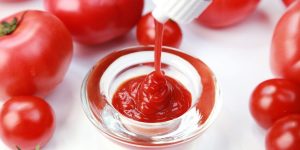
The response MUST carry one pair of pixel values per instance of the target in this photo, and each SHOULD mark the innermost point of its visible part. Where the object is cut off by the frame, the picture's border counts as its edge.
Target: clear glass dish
(105, 77)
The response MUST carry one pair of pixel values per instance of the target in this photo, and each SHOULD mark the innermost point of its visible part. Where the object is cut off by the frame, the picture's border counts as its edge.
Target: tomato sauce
(153, 97)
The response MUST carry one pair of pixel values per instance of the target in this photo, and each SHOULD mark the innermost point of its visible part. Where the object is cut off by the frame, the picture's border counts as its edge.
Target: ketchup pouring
(157, 97)
(147, 108)
(159, 32)
(154, 97)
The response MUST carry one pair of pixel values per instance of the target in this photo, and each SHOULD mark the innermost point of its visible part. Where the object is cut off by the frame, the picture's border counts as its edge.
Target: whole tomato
(288, 2)
(26, 122)
(35, 53)
(274, 99)
(223, 13)
(172, 35)
(97, 21)
(284, 134)
(285, 51)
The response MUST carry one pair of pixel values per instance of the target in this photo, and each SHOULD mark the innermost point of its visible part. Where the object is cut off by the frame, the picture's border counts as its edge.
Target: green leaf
(7, 28)
(37, 147)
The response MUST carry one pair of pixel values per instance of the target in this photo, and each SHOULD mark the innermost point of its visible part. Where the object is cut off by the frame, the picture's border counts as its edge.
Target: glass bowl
(107, 74)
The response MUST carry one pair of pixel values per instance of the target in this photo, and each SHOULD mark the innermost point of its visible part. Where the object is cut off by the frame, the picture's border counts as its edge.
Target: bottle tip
(159, 15)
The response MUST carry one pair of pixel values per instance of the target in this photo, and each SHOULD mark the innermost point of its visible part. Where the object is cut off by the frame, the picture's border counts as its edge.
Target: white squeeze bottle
(180, 11)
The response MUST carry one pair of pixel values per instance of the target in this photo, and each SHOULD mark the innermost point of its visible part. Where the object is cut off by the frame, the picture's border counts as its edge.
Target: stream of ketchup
(154, 97)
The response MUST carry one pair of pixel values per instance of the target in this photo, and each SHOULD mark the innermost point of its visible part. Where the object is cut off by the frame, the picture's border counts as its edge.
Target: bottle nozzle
(180, 11)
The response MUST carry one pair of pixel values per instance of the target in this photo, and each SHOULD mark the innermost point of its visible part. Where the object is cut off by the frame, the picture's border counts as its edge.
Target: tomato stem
(18, 148)
(37, 147)
(7, 28)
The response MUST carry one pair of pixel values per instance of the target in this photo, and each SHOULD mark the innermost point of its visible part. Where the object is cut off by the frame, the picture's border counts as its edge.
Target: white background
(238, 55)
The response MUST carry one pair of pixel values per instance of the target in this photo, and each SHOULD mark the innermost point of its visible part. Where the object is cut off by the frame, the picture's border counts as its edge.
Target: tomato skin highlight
(93, 22)
(224, 13)
(284, 134)
(285, 51)
(274, 99)
(145, 32)
(26, 122)
(35, 57)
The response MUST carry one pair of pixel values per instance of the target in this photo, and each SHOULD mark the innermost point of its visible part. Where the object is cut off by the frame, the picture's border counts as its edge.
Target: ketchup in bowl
(153, 97)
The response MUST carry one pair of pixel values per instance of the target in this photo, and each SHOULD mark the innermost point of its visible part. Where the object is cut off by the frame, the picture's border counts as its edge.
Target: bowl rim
(90, 115)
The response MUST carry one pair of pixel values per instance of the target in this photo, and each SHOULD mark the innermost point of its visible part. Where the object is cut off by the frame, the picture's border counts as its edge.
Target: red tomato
(172, 35)
(284, 134)
(26, 122)
(288, 2)
(35, 56)
(285, 52)
(223, 13)
(274, 99)
(97, 21)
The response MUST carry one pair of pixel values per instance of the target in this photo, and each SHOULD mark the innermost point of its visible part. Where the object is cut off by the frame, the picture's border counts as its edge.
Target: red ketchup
(153, 97)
